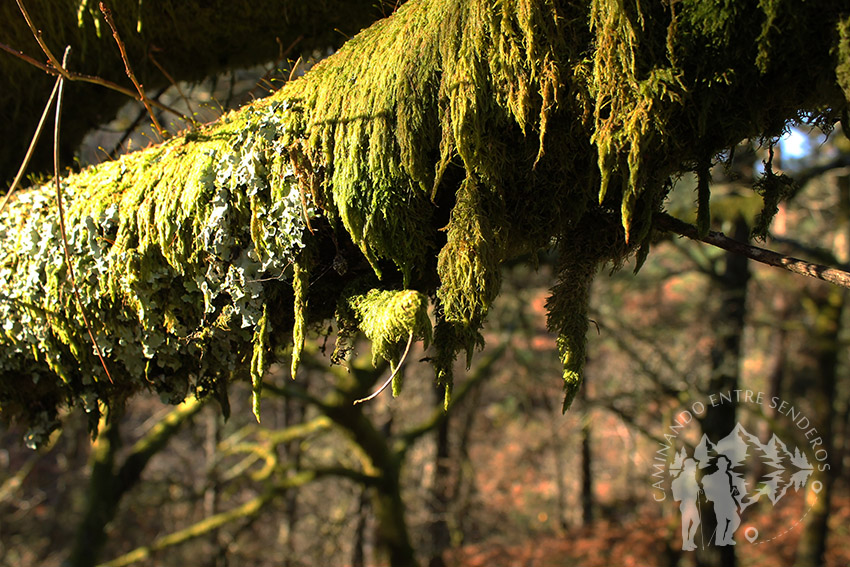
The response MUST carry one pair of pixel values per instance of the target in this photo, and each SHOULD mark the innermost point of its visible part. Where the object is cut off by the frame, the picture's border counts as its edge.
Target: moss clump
(842, 50)
(389, 319)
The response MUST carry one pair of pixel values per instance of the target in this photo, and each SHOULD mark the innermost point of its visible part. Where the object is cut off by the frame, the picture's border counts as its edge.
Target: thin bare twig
(33, 143)
(390, 379)
(795, 265)
(83, 78)
(31, 60)
(71, 276)
(266, 78)
(130, 129)
(107, 14)
(171, 80)
(37, 34)
(294, 68)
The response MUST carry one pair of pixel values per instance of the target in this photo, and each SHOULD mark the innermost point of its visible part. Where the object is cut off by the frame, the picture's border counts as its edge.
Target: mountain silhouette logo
(733, 473)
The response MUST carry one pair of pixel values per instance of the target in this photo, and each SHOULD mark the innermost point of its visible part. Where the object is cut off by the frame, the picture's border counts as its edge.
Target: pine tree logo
(714, 472)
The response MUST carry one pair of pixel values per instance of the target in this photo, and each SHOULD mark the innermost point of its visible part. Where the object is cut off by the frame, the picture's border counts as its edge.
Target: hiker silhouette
(719, 488)
(686, 489)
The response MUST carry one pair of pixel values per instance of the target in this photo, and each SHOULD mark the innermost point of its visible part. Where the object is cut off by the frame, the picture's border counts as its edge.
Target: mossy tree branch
(433, 147)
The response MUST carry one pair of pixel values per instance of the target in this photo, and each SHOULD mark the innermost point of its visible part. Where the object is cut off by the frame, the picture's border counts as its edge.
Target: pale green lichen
(172, 277)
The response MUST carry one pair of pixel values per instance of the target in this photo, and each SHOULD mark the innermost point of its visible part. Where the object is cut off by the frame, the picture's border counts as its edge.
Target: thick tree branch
(432, 148)
(794, 265)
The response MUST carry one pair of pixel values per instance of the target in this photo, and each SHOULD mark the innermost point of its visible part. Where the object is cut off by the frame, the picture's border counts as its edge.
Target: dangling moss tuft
(389, 319)
(259, 361)
(300, 284)
(469, 263)
(568, 318)
(582, 251)
(773, 189)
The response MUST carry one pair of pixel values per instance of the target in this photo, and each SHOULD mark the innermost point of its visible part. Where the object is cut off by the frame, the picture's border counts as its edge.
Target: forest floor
(645, 542)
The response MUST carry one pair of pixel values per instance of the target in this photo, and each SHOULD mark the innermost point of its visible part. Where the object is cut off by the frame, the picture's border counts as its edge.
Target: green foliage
(773, 189)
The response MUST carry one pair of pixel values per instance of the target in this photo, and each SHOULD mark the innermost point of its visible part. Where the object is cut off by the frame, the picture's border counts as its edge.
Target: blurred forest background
(502, 478)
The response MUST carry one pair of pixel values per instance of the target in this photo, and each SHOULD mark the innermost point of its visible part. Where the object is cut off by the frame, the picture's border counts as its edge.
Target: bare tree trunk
(720, 420)
(108, 485)
(560, 475)
(586, 462)
(213, 436)
(293, 413)
(358, 558)
(440, 494)
(389, 508)
(466, 487)
(102, 497)
(811, 549)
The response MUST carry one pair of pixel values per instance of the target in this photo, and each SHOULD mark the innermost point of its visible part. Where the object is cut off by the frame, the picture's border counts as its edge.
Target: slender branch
(60, 68)
(390, 379)
(33, 143)
(155, 440)
(31, 60)
(119, 148)
(71, 276)
(83, 78)
(107, 14)
(248, 510)
(795, 265)
(168, 76)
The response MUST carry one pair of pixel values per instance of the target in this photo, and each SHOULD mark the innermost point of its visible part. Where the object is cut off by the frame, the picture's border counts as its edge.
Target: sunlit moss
(435, 146)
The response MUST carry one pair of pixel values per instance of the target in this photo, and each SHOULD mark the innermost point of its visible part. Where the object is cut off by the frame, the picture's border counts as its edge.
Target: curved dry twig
(71, 276)
(390, 379)
(107, 15)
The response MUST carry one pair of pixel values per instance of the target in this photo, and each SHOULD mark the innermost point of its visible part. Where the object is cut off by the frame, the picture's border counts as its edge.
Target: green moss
(389, 319)
(431, 149)
(469, 263)
(842, 51)
(259, 361)
(300, 282)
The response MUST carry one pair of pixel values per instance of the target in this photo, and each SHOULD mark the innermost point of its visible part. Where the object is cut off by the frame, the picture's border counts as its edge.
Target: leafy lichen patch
(174, 249)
